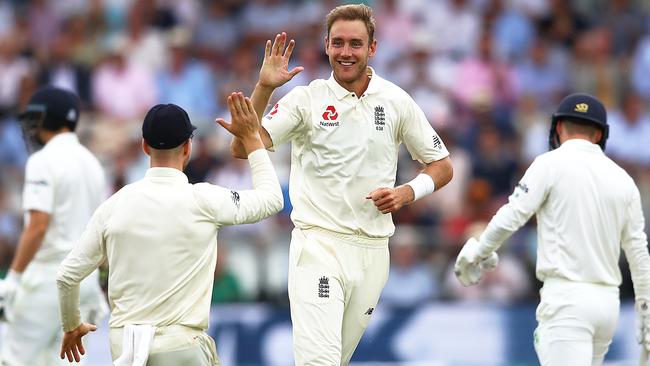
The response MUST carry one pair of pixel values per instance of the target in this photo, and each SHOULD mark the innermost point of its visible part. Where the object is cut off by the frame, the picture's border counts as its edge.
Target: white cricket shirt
(65, 180)
(587, 209)
(159, 236)
(344, 147)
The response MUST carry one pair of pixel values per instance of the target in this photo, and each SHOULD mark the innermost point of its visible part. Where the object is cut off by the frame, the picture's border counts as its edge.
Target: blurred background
(487, 73)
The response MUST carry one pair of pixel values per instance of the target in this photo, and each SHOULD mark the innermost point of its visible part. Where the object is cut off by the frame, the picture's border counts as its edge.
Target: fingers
(377, 193)
(92, 327)
(238, 103)
(267, 49)
(278, 44)
(249, 106)
(75, 353)
(289, 50)
(223, 124)
(80, 347)
(295, 71)
(68, 354)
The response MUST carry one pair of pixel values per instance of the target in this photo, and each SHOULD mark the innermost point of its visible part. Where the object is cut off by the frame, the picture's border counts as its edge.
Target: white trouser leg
(576, 323)
(333, 288)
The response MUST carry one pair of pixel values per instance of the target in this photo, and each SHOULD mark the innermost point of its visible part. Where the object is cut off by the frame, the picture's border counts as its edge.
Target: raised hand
(244, 119)
(275, 67)
(245, 123)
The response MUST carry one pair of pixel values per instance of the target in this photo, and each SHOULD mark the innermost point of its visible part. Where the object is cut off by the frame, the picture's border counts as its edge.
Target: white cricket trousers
(576, 322)
(174, 345)
(33, 336)
(334, 284)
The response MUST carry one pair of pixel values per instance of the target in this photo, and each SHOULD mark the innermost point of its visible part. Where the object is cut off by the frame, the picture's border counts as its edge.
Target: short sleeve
(286, 119)
(421, 140)
(38, 191)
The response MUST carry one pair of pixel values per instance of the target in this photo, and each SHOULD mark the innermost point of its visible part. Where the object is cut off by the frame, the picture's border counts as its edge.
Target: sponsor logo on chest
(330, 117)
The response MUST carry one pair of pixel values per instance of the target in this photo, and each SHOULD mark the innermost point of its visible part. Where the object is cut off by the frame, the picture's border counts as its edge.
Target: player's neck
(358, 87)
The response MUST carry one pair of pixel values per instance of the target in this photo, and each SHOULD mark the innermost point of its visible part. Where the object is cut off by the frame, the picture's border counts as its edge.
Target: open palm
(275, 67)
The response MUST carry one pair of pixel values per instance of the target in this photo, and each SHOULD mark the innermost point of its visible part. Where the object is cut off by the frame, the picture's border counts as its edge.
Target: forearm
(441, 171)
(434, 176)
(68, 302)
(30, 241)
(260, 99)
(639, 261)
(265, 199)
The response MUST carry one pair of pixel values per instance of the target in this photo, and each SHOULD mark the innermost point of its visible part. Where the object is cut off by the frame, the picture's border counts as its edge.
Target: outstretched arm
(273, 74)
(265, 198)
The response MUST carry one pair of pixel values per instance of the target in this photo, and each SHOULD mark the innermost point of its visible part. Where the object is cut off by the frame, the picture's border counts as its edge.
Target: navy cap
(57, 108)
(583, 107)
(166, 126)
(580, 107)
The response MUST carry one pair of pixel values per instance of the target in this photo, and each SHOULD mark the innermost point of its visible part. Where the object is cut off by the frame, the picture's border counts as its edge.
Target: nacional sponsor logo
(330, 117)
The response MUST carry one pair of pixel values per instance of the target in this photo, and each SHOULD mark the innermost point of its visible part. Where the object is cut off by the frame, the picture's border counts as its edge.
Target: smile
(346, 63)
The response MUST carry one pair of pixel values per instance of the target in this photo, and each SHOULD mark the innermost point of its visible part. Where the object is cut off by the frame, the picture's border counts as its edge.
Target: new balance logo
(273, 111)
(234, 195)
(369, 311)
(437, 144)
(324, 287)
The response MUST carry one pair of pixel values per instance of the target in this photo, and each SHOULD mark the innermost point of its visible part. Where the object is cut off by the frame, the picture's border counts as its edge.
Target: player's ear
(146, 148)
(327, 43)
(373, 48)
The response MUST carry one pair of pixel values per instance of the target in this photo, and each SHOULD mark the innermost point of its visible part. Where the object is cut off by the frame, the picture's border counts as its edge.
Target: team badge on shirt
(330, 117)
(380, 118)
(324, 287)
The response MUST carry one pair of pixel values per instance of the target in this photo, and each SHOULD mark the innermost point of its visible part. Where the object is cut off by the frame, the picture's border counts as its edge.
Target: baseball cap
(166, 126)
(55, 107)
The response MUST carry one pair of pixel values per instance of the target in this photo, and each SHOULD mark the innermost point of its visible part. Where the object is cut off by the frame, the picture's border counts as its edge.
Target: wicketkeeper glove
(8, 288)
(642, 308)
(470, 265)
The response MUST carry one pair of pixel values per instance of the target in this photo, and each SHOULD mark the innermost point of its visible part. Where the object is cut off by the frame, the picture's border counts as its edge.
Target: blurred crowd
(487, 73)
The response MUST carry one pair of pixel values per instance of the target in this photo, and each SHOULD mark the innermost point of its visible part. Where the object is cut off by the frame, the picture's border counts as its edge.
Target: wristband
(422, 185)
(13, 276)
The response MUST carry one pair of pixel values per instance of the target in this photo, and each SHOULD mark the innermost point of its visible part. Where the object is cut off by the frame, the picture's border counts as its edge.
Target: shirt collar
(581, 144)
(170, 173)
(340, 92)
(63, 138)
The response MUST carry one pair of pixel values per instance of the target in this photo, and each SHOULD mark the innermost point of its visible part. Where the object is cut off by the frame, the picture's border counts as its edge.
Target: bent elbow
(278, 202)
(450, 173)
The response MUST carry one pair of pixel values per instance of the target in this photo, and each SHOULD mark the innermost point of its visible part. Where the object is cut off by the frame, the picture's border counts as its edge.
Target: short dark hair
(352, 12)
(575, 125)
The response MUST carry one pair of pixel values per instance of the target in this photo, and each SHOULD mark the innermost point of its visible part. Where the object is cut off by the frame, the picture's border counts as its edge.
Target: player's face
(349, 49)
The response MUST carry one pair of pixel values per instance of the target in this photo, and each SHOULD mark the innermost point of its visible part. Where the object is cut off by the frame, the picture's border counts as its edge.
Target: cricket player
(345, 133)
(587, 209)
(64, 184)
(159, 236)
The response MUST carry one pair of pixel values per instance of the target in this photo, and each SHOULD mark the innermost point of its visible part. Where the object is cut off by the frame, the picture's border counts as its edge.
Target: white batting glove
(642, 308)
(8, 288)
(470, 265)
